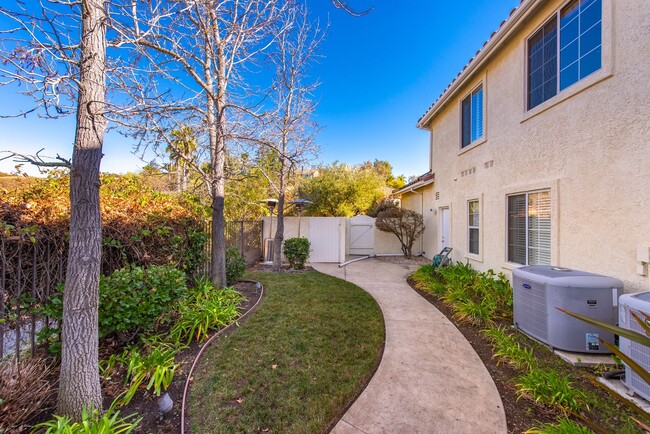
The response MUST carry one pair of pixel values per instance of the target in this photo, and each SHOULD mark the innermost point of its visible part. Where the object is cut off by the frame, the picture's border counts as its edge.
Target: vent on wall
(488, 164)
(468, 172)
(437, 195)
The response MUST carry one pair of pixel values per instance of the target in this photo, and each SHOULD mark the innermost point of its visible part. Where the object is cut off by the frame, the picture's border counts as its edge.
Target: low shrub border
(136, 372)
(540, 392)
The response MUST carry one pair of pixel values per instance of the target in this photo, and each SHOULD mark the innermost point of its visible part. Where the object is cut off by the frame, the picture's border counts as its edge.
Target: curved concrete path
(430, 380)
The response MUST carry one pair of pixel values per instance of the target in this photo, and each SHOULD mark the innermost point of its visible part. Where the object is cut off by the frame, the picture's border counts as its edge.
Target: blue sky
(379, 74)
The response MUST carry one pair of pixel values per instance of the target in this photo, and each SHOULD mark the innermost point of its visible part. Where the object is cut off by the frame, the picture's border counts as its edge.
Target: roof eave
(415, 186)
(494, 43)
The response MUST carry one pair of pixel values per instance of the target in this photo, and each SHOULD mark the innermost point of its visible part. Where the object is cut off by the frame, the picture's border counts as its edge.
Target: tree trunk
(214, 118)
(179, 186)
(218, 259)
(79, 386)
(279, 232)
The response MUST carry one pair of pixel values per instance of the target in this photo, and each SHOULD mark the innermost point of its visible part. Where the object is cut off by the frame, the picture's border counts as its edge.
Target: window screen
(473, 226)
(472, 117)
(542, 64)
(580, 40)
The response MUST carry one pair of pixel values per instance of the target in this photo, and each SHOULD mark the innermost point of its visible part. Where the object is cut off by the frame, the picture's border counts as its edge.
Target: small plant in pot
(296, 250)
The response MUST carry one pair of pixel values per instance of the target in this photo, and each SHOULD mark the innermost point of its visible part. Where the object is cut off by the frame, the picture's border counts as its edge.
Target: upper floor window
(472, 117)
(579, 46)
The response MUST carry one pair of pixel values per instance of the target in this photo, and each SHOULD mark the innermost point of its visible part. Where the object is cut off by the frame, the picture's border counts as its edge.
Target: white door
(325, 238)
(445, 235)
(362, 235)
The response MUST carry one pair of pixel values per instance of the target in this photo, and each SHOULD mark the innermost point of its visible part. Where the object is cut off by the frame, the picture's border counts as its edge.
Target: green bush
(130, 299)
(296, 250)
(133, 298)
(235, 265)
(154, 362)
(562, 426)
(205, 308)
(477, 298)
(92, 422)
(549, 387)
(508, 350)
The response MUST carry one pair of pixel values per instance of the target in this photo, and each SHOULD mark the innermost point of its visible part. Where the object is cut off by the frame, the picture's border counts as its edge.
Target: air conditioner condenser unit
(268, 249)
(639, 303)
(538, 291)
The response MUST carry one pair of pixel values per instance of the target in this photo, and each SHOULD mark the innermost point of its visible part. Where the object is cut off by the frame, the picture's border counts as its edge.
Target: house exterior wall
(589, 145)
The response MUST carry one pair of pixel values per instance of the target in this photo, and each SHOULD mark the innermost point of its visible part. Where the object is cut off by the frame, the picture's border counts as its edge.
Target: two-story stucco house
(540, 148)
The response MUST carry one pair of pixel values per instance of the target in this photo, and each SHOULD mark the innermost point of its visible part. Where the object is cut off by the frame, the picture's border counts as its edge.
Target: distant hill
(11, 182)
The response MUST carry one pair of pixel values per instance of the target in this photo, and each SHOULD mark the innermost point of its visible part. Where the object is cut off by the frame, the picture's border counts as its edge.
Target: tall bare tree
(196, 54)
(40, 53)
(291, 132)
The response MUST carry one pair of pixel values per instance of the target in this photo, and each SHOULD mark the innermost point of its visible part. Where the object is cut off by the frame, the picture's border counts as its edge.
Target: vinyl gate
(362, 235)
(326, 235)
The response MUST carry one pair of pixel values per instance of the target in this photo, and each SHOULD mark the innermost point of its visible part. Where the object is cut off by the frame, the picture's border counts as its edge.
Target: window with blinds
(472, 117)
(473, 227)
(529, 228)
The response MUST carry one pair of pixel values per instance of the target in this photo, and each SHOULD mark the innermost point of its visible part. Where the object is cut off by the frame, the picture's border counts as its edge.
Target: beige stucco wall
(421, 201)
(388, 244)
(589, 145)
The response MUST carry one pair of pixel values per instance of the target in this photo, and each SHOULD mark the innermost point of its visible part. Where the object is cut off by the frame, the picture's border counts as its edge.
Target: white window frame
(482, 137)
(477, 227)
(556, 16)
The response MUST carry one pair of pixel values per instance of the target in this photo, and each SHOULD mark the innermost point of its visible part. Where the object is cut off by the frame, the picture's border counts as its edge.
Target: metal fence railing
(30, 270)
(246, 235)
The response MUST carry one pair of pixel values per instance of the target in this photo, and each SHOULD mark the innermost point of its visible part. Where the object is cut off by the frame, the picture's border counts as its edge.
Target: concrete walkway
(429, 380)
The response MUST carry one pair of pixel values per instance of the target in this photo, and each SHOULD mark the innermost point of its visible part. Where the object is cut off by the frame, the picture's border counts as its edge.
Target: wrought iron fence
(30, 270)
(246, 235)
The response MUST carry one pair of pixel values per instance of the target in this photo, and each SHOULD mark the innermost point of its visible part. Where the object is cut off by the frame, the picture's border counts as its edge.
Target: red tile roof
(422, 178)
(512, 12)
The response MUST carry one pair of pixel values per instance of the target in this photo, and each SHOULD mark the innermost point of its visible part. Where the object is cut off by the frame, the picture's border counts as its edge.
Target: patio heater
(268, 242)
(300, 205)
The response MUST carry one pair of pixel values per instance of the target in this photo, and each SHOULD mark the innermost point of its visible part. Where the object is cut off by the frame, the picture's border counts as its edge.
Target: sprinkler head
(165, 405)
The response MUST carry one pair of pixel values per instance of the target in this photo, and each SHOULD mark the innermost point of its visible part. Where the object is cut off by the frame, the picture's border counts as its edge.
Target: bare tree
(40, 53)
(344, 5)
(192, 57)
(407, 226)
(291, 133)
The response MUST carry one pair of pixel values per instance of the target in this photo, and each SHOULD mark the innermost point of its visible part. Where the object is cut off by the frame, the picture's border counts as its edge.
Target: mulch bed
(145, 404)
(521, 413)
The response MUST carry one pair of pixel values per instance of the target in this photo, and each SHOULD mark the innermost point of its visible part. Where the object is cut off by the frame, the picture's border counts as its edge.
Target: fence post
(18, 294)
(33, 331)
(241, 237)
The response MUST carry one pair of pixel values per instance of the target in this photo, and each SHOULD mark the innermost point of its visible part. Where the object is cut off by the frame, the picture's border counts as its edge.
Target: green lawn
(296, 364)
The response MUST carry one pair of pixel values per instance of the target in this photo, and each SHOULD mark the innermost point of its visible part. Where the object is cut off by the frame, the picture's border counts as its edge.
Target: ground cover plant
(541, 393)
(147, 318)
(296, 365)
